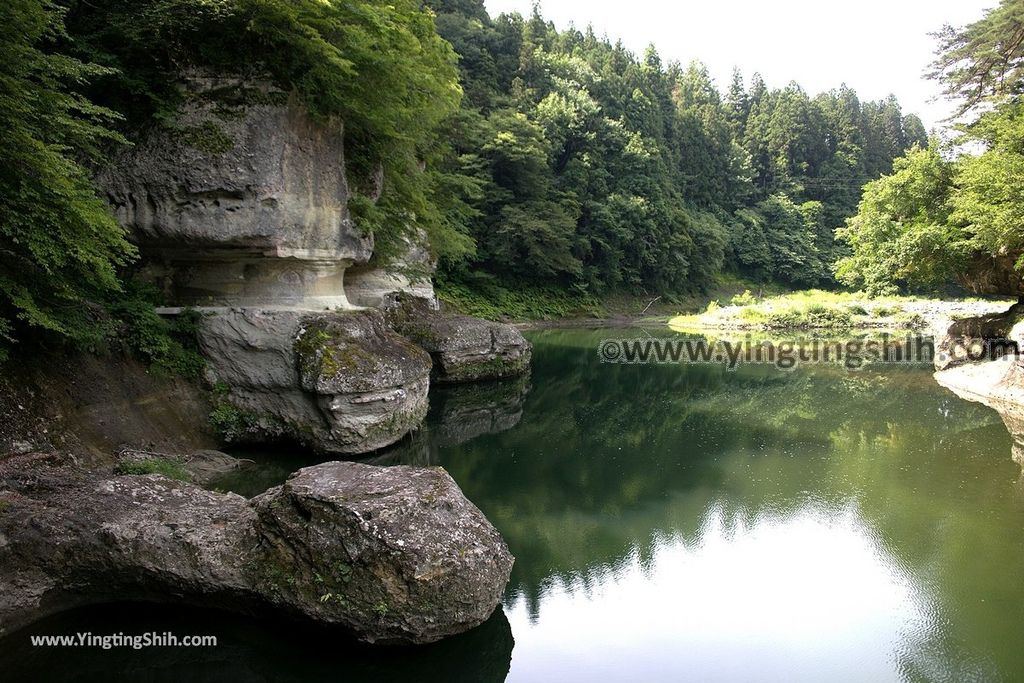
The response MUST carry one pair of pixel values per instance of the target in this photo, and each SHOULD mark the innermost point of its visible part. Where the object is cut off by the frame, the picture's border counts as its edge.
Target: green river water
(671, 523)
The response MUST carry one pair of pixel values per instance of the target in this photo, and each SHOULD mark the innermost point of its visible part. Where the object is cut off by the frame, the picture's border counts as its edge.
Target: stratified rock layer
(464, 349)
(242, 201)
(396, 555)
(410, 275)
(340, 382)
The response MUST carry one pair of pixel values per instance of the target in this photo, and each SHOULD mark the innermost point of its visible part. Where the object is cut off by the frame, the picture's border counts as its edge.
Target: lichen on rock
(340, 382)
(395, 555)
(464, 349)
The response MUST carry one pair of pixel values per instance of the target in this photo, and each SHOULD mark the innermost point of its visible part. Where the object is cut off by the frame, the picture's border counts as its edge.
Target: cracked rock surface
(395, 555)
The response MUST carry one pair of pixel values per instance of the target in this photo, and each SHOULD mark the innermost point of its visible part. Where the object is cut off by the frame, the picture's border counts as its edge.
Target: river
(671, 523)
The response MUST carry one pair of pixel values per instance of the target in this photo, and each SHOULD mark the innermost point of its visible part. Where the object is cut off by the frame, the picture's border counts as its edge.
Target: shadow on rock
(247, 650)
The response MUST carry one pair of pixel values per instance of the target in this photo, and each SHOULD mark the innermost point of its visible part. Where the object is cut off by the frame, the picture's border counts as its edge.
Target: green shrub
(229, 422)
(886, 311)
(168, 345)
(745, 299)
(168, 468)
(815, 316)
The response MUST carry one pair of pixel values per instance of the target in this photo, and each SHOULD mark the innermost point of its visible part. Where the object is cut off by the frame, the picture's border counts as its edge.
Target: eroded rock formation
(339, 382)
(464, 349)
(410, 275)
(240, 208)
(243, 201)
(396, 555)
(971, 337)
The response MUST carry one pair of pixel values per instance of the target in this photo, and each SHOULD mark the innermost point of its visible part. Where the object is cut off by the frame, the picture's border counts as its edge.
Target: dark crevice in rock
(395, 555)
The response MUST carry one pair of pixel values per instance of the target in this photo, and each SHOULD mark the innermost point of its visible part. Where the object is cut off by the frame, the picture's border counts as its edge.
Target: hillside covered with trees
(597, 169)
(532, 157)
(943, 217)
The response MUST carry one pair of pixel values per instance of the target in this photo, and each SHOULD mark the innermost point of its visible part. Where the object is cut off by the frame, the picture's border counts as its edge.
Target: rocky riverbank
(306, 340)
(396, 555)
(820, 310)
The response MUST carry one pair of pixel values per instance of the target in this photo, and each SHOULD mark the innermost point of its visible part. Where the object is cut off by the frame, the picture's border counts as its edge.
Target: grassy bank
(493, 300)
(822, 310)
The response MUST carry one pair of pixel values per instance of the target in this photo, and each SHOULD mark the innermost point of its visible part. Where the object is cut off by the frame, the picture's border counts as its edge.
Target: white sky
(877, 47)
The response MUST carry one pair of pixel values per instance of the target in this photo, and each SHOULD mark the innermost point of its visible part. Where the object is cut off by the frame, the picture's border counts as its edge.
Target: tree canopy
(936, 220)
(602, 170)
(526, 153)
(60, 248)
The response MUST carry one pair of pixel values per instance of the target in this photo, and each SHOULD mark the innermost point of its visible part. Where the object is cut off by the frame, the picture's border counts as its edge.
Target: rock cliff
(240, 208)
(242, 201)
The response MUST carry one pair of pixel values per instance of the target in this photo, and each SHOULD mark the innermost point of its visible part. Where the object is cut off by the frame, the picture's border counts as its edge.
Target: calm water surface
(674, 524)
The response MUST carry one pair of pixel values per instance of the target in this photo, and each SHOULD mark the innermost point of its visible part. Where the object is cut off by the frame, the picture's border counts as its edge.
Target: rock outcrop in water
(241, 209)
(973, 335)
(339, 382)
(997, 383)
(396, 555)
(464, 349)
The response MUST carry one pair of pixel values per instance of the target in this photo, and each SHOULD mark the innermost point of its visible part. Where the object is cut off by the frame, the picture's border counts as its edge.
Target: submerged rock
(338, 382)
(395, 555)
(464, 349)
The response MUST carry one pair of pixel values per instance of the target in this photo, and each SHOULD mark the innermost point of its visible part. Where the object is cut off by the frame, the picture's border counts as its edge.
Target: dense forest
(532, 157)
(598, 169)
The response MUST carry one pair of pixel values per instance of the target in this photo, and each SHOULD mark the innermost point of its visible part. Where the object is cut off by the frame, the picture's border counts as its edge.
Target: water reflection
(459, 414)
(742, 600)
(248, 649)
(752, 526)
(687, 523)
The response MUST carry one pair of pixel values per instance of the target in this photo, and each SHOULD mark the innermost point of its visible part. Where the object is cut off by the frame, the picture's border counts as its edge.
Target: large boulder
(370, 383)
(339, 382)
(241, 201)
(395, 555)
(398, 554)
(464, 349)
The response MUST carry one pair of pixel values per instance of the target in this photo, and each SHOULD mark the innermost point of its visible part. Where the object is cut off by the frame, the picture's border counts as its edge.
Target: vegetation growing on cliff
(379, 66)
(60, 248)
(936, 219)
(535, 159)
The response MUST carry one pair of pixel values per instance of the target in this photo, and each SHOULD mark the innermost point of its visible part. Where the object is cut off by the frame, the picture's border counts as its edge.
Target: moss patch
(171, 469)
(208, 137)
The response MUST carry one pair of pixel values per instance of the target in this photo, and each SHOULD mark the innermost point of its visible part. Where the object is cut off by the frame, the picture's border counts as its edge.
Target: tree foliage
(984, 60)
(60, 248)
(604, 170)
(527, 154)
(934, 220)
(901, 236)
